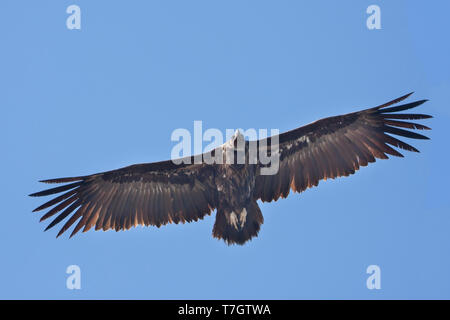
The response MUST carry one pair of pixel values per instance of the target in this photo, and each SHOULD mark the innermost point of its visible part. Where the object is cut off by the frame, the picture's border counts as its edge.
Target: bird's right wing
(146, 194)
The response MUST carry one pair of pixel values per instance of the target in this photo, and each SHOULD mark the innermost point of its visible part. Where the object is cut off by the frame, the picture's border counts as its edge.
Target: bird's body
(238, 216)
(164, 192)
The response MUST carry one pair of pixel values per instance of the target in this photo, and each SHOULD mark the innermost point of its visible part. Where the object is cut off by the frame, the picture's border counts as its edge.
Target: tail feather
(238, 228)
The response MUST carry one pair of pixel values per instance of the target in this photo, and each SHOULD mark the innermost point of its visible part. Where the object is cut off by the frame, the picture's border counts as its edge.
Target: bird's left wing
(146, 194)
(338, 146)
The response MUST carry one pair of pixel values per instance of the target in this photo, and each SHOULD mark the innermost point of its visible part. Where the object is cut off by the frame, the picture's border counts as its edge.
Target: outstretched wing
(146, 194)
(338, 146)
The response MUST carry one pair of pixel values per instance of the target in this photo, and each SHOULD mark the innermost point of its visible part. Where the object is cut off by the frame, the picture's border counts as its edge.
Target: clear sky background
(76, 102)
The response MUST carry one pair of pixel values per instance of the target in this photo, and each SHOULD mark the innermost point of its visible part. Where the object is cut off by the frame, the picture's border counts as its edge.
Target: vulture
(184, 191)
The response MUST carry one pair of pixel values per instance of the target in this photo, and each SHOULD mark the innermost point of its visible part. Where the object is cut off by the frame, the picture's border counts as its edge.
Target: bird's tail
(238, 228)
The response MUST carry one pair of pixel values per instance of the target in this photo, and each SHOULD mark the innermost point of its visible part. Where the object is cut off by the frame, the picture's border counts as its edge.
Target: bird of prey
(164, 192)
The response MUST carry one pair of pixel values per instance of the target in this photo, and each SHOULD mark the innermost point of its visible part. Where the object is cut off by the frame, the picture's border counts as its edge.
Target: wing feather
(339, 146)
(146, 194)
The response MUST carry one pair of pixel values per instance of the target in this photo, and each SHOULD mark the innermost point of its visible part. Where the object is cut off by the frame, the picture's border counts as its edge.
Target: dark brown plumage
(164, 192)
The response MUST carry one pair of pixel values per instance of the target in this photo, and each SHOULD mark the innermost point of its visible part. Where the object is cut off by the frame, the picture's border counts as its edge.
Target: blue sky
(76, 102)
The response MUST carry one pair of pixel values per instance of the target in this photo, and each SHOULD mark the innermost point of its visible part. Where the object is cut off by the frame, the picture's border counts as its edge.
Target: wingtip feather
(63, 180)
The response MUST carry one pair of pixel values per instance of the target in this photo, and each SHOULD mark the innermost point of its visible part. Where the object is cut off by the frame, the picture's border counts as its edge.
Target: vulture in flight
(164, 192)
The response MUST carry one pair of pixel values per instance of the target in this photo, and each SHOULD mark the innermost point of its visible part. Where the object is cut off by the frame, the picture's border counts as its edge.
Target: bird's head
(237, 137)
(236, 142)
